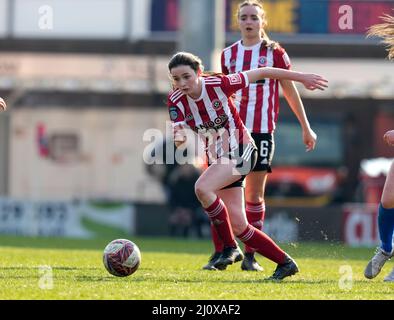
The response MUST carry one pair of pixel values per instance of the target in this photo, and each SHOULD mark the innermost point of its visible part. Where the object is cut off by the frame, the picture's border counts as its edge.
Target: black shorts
(246, 157)
(266, 147)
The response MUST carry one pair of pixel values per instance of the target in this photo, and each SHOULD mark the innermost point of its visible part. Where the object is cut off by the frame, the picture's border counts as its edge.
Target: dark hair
(186, 59)
(191, 60)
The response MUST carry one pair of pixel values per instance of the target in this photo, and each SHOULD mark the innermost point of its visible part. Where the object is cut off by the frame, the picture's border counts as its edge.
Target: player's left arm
(282, 60)
(294, 100)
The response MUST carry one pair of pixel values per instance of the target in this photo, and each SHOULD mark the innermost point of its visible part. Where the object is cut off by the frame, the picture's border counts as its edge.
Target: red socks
(253, 238)
(217, 242)
(263, 244)
(255, 213)
(218, 215)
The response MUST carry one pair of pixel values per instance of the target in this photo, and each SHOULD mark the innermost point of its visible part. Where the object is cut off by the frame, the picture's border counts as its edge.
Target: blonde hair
(264, 35)
(386, 31)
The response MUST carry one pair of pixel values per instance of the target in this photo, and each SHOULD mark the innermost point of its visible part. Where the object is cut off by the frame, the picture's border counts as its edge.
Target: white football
(121, 257)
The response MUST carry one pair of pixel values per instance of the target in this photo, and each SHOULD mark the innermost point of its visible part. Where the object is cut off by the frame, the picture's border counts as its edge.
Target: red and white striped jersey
(213, 115)
(258, 105)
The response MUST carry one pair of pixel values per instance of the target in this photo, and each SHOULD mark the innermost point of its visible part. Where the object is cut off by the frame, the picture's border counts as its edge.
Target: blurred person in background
(386, 207)
(203, 103)
(258, 106)
(185, 208)
(162, 169)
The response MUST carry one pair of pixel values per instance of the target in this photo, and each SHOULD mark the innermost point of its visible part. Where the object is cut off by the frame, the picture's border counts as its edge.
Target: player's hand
(179, 143)
(389, 137)
(309, 137)
(313, 81)
(3, 105)
(179, 135)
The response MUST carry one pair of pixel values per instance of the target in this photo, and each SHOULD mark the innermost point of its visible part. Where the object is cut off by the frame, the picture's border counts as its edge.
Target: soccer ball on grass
(121, 257)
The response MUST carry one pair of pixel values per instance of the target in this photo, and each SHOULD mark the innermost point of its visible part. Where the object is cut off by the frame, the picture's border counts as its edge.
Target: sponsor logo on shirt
(216, 124)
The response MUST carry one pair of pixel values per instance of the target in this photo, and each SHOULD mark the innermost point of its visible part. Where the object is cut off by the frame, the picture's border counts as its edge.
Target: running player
(258, 106)
(204, 104)
(386, 207)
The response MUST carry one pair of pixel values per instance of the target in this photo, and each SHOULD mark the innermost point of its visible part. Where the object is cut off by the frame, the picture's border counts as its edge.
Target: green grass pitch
(171, 269)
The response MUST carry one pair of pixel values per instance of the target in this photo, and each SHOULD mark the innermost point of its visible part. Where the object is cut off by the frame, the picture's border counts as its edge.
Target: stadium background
(84, 90)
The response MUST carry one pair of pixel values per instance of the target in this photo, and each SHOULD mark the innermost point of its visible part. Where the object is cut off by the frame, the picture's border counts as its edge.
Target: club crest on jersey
(217, 104)
(189, 117)
(233, 62)
(262, 61)
(173, 113)
(235, 79)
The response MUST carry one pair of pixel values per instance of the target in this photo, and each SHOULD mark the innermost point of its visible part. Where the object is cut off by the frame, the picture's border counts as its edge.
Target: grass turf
(171, 269)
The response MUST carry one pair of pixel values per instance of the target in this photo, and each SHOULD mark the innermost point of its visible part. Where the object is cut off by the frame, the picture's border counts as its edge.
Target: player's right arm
(178, 123)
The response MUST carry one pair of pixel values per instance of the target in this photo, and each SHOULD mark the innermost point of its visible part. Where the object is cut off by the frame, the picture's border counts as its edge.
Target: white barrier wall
(70, 19)
(95, 153)
(61, 218)
(3, 18)
(75, 19)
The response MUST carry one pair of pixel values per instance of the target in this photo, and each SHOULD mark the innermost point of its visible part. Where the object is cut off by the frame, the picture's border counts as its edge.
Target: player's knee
(238, 225)
(387, 201)
(200, 191)
(254, 195)
(256, 198)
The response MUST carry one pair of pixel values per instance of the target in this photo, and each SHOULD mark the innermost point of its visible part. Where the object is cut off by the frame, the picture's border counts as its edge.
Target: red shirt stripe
(258, 105)
(212, 113)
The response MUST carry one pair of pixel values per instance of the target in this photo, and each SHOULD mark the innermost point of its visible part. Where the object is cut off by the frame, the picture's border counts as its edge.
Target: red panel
(363, 15)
